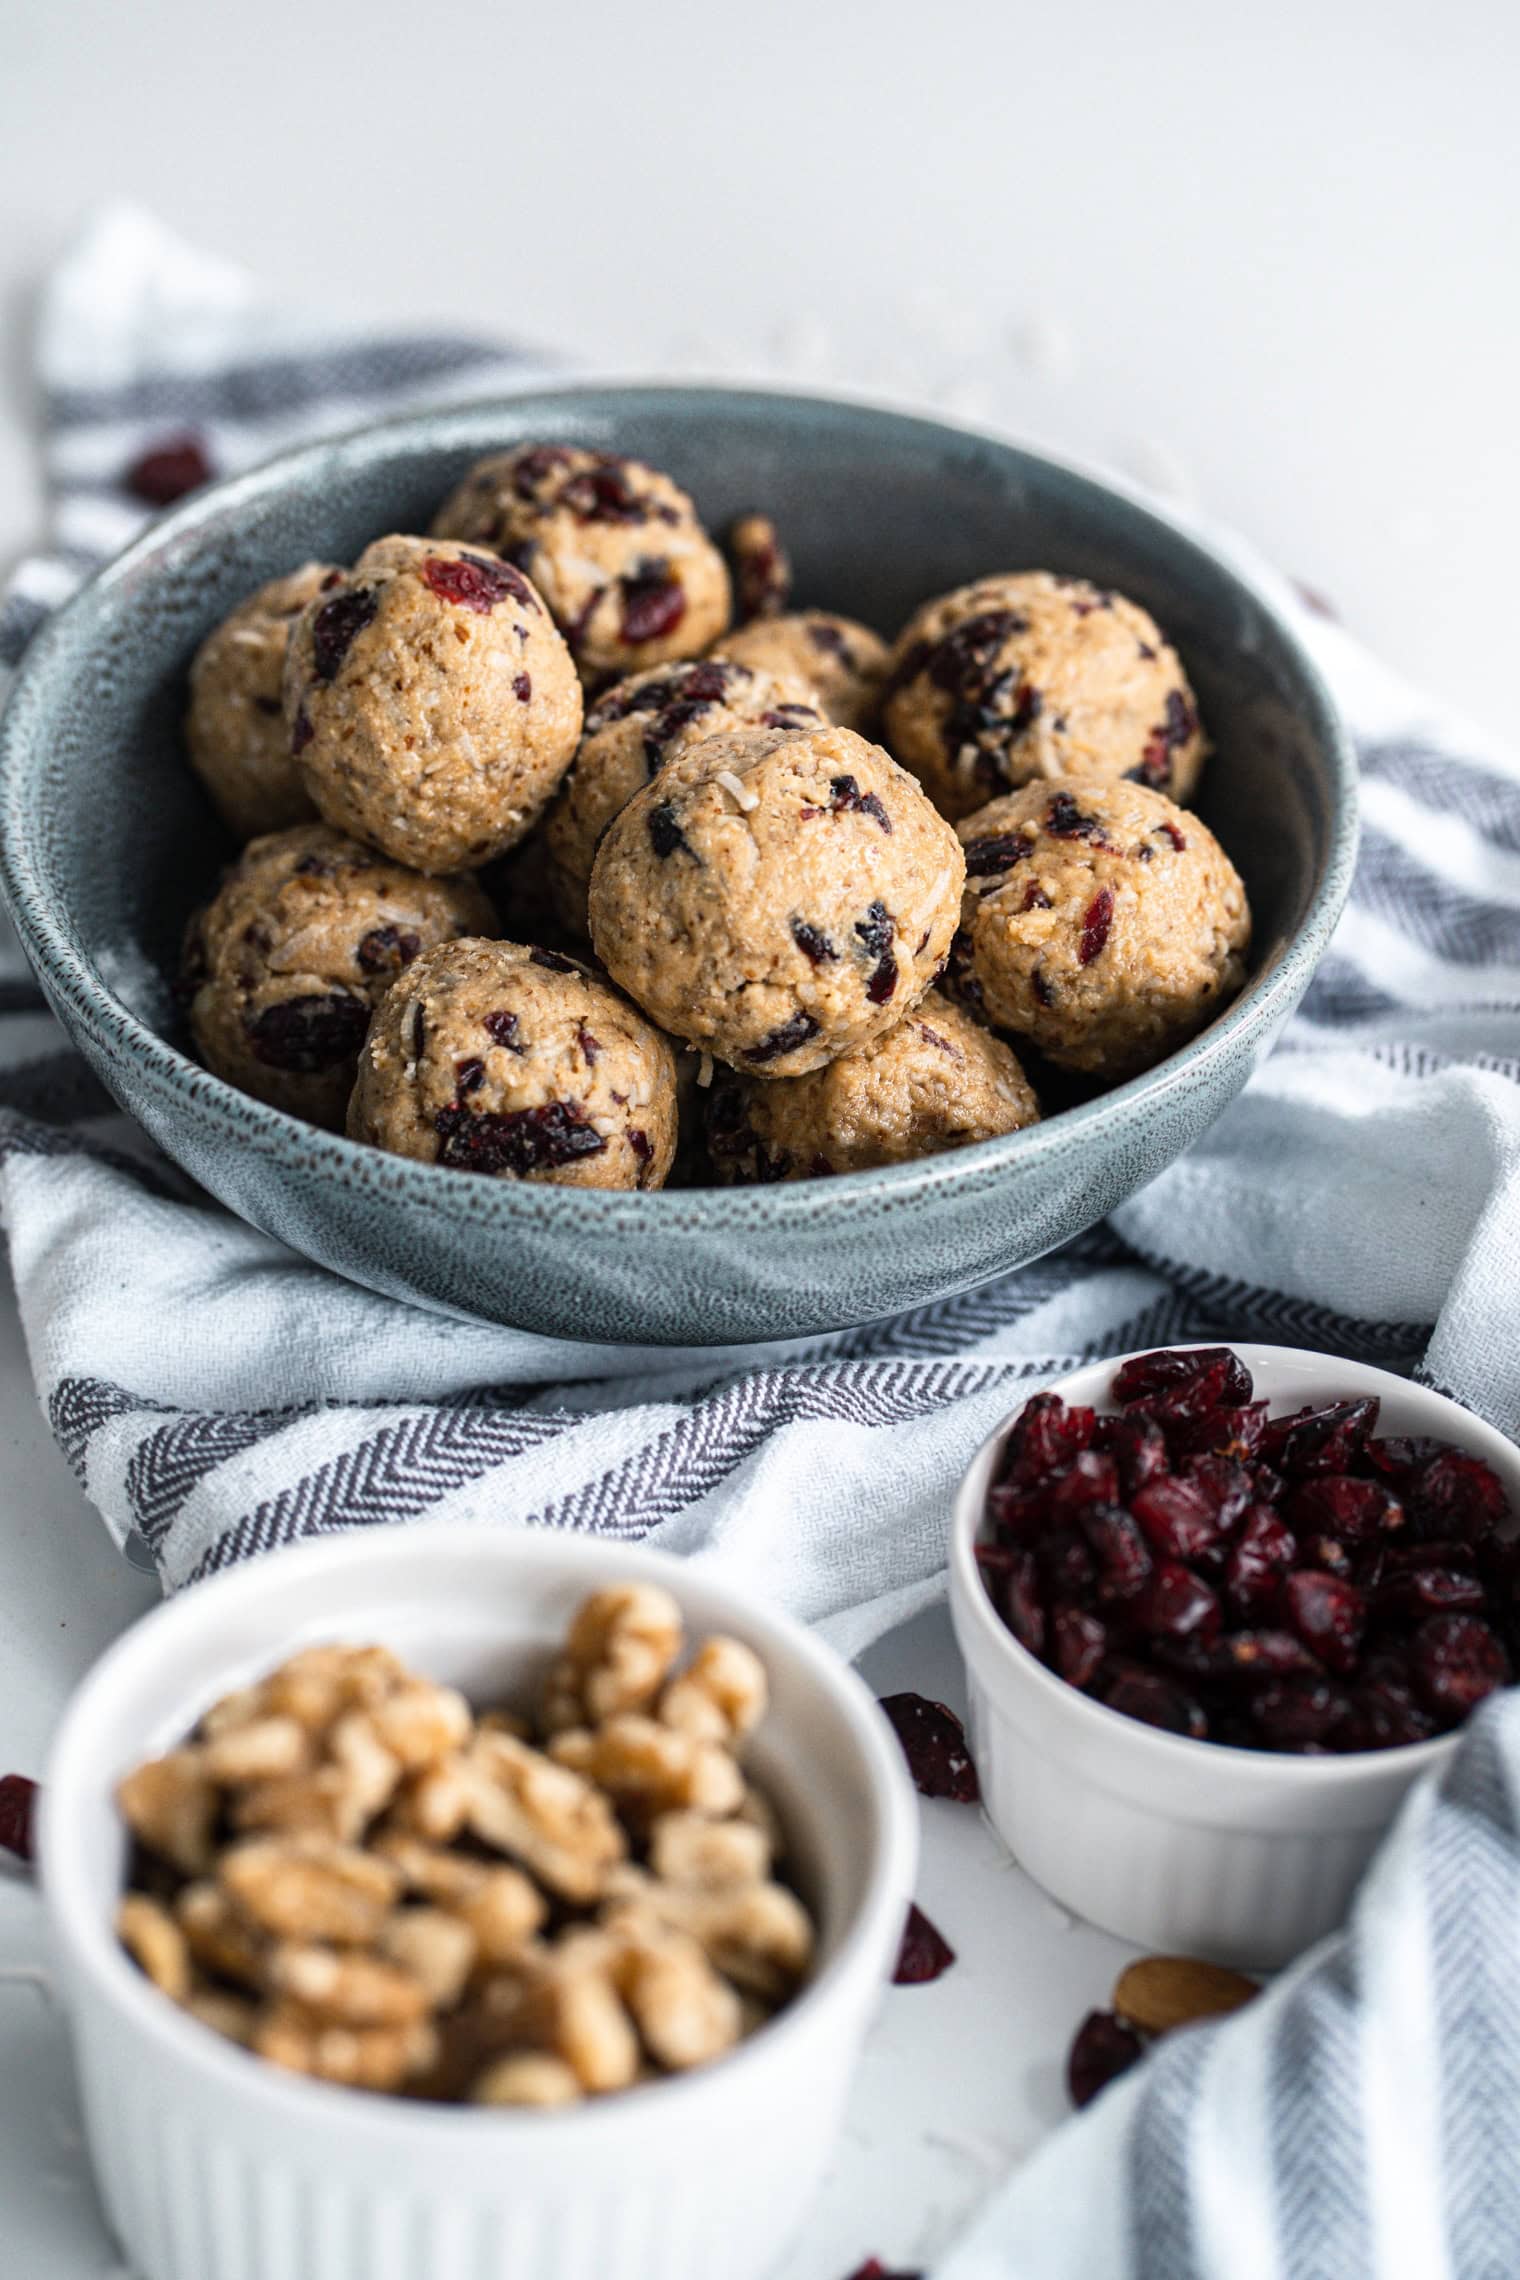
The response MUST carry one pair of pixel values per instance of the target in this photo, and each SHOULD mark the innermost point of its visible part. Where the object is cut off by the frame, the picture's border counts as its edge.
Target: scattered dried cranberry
(925, 1952)
(169, 470)
(1103, 2049)
(336, 626)
(1286, 1583)
(874, 2269)
(306, 1034)
(18, 1804)
(934, 1744)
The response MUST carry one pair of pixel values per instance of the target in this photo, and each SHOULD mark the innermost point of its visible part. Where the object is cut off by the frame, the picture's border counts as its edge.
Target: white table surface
(1261, 259)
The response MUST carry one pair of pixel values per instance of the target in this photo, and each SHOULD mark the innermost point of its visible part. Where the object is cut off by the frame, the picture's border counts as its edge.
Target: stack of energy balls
(574, 854)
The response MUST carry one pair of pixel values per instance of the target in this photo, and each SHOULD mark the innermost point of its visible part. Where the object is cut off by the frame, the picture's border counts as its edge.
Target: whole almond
(1165, 1991)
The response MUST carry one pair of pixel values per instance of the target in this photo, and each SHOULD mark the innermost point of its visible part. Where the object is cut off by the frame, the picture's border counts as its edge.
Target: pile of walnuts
(349, 1872)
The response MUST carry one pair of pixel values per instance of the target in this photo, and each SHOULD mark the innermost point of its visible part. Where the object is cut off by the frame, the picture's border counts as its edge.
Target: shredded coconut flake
(705, 1072)
(747, 799)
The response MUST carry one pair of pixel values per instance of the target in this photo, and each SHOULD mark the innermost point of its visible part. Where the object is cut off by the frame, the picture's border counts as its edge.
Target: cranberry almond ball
(496, 1058)
(633, 730)
(777, 896)
(614, 547)
(1030, 675)
(846, 663)
(1101, 921)
(235, 728)
(303, 939)
(935, 1081)
(432, 705)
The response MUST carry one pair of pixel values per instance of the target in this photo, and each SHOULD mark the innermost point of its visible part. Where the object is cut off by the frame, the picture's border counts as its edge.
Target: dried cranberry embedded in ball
(846, 797)
(474, 582)
(336, 627)
(665, 835)
(798, 1031)
(988, 858)
(1103, 2049)
(1097, 920)
(520, 1141)
(305, 1035)
(654, 603)
(934, 1744)
(386, 949)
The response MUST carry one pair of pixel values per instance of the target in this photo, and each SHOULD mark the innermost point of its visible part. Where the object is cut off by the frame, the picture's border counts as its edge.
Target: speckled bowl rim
(119, 1034)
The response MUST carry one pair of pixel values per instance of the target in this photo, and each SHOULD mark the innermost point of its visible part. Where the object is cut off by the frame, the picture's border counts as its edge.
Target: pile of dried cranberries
(1278, 1583)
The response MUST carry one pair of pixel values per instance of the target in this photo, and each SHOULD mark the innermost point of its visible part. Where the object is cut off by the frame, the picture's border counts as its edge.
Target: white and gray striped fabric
(217, 1395)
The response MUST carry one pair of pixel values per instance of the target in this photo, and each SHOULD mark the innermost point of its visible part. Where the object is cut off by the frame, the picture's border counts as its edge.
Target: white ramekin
(1189, 1847)
(216, 2166)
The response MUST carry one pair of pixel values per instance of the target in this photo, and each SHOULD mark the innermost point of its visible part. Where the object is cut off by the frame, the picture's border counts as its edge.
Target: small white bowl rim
(1270, 1767)
(94, 1947)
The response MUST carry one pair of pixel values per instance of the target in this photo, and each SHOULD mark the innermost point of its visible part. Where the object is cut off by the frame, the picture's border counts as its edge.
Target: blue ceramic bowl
(107, 840)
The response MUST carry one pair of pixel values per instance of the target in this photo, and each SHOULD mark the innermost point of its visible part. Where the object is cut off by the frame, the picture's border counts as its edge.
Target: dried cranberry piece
(522, 687)
(1329, 1616)
(654, 602)
(874, 2269)
(474, 582)
(847, 796)
(1398, 1455)
(925, 1952)
(1289, 1713)
(386, 949)
(665, 834)
(337, 625)
(1179, 1518)
(18, 1806)
(934, 1744)
(877, 933)
(1176, 1604)
(1261, 1552)
(1092, 1477)
(1097, 919)
(1456, 1660)
(813, 943)
(1184, 1383)
(1046, 1433)
(518, 1141)
(1383, 1714)
(786, 1039)
(1018, 1600)
(301, 733)
(1328, 1440)
(1457, 1495)
(1080, 1642)
(1066, 1566)
(1223, 1432)
(1154, 1700)
(503, 1029)
(590, 1046)
(603, 493)
(1065, 820)
(1228, 1486)
(1175, 727)
(1269, 1653)
(1337, 1504)
(306, 1034)
(1138, 1446)
(1410, 1593)
(169, 470)
(986, 858)
(469, 1075)
(1119, 1549)
(1103, 2049)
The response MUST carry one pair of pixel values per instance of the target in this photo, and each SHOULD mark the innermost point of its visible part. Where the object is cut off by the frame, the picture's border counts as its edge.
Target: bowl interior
(485, 1613)
(109, 842)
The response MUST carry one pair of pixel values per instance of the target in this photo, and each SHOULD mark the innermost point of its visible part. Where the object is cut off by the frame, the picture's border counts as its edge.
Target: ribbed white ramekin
(216, 2166)
(1189, 1847)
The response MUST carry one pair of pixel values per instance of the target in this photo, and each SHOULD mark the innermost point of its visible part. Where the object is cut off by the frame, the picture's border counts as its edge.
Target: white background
(1262, 257)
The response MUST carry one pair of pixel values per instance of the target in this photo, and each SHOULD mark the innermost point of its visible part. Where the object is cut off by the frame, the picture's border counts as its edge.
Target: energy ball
(614, 547)
(1033, 676)
(304, 938)
(777, 896)
(235, 728)
(845, 663)
(432, 705)
(1101, 922)
(492, 1057)
(633, 730)
(936, 1081)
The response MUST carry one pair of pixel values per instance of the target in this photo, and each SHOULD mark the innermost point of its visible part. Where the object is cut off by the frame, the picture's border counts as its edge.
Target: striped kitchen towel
(217, 1394)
